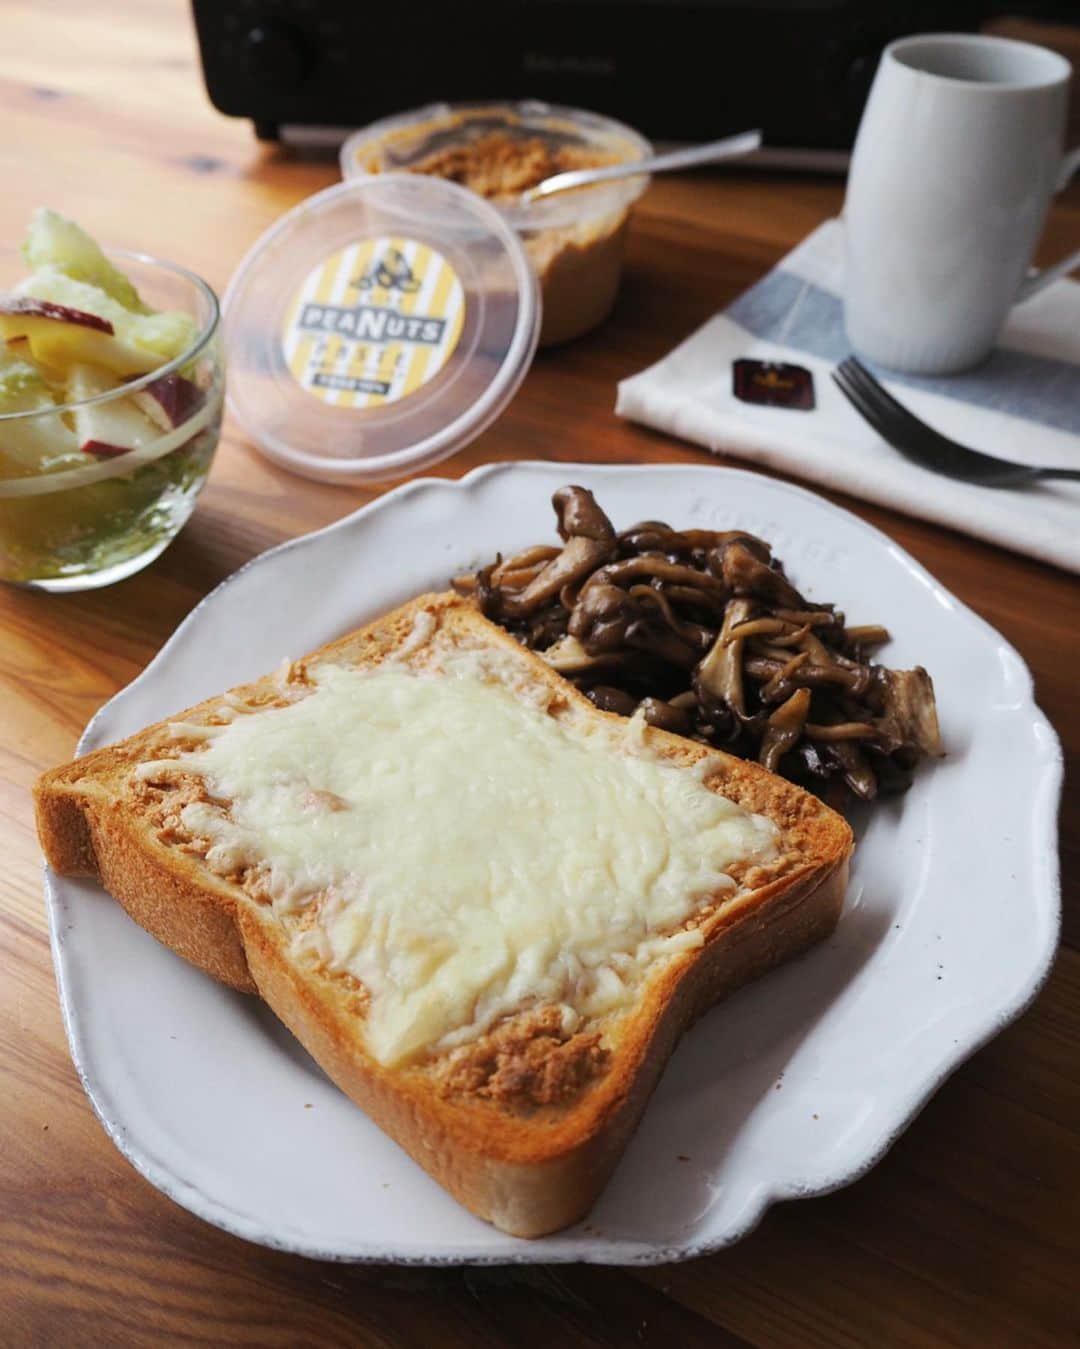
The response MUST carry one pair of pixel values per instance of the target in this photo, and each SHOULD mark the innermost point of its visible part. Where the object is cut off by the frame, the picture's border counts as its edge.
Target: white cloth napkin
(1022, 404)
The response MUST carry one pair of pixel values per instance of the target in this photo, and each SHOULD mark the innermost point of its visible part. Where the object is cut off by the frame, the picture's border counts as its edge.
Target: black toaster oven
(677, 69)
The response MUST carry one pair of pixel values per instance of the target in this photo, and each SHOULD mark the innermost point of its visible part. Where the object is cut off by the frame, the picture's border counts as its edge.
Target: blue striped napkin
(1022, 404)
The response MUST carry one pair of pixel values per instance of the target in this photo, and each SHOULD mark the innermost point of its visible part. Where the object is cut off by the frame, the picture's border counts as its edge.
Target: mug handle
(1037, 280)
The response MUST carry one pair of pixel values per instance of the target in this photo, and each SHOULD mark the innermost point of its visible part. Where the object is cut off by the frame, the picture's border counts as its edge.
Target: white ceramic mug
(958, 154)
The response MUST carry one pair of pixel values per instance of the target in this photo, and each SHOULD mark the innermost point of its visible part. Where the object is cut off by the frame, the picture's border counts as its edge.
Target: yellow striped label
(373, 322)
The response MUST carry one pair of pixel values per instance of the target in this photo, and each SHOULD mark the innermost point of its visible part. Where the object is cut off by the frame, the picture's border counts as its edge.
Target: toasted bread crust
(530, 1160)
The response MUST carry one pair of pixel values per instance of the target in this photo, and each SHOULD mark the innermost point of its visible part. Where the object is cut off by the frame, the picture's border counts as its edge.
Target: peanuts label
(374, 322)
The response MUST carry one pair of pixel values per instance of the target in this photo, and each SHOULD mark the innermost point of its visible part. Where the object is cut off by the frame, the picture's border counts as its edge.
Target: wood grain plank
(957, 1238)
(966, 1233)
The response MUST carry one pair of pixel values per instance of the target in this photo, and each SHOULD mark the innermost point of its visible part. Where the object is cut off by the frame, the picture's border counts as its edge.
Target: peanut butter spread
(578, 264)
(529, 1061)
(498, 166)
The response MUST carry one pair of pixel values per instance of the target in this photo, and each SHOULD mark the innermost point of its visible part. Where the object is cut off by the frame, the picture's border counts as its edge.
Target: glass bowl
(573, 240)
(76, 527)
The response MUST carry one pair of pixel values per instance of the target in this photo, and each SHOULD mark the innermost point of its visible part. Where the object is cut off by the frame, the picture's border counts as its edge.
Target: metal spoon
(728, 148)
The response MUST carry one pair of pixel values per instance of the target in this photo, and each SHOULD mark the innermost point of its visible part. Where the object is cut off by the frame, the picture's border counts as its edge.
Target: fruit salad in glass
(111, 386)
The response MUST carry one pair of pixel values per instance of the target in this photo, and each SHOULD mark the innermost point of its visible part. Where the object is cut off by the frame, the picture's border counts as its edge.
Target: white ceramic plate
(795, 1086)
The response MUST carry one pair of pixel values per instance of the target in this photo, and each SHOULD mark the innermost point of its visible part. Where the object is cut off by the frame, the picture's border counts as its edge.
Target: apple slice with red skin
(60, 336)
(100, 450)
(169, 401)
(112, 427)
(12, 307)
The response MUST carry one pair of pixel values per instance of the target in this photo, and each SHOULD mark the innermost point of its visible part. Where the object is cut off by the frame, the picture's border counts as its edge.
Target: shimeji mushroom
(701, 633)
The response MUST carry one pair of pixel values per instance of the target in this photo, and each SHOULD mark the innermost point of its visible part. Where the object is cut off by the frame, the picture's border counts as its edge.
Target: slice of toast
(525, 1122)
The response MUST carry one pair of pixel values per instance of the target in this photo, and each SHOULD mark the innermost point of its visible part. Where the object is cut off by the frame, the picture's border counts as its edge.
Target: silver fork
(922, 444)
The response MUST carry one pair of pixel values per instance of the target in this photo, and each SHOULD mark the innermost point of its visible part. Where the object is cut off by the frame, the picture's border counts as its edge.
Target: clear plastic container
(378, 327)
(573, 240)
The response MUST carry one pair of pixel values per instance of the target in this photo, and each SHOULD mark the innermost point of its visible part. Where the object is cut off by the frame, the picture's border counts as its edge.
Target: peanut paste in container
(574, 241)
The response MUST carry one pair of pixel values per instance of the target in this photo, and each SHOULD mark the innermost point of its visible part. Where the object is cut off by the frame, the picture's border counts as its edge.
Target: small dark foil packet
(774, 384)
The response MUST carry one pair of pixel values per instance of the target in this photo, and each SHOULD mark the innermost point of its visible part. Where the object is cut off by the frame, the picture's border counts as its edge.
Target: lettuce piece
(55, 241)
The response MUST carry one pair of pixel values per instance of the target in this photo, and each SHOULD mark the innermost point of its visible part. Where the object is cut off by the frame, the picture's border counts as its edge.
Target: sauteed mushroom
(610, 699)
(702, 633)
(783, 729)
(719, 677)
(589, 540)
(657, 712)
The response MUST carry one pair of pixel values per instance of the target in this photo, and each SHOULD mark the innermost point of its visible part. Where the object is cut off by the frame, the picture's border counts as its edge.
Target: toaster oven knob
(275, 53)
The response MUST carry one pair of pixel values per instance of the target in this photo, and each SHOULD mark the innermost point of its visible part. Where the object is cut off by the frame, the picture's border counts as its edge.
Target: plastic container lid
(378, 327)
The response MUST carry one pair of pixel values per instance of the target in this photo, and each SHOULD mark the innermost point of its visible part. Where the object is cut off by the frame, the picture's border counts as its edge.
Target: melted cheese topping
(467, 852)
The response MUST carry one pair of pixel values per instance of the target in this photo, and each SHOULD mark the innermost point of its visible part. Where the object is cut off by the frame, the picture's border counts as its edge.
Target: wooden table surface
(966, 1234)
